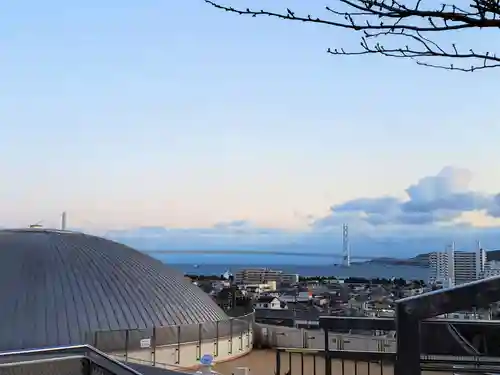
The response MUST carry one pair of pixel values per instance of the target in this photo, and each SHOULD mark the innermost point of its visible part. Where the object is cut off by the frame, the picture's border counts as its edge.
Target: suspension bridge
(258, 252)
(345, 255)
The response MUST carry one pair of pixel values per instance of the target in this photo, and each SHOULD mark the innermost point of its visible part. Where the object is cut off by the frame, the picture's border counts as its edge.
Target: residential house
(270, 302)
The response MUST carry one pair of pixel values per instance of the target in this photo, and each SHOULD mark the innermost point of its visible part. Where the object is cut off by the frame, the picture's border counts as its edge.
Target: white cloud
(435, 200)
(436, 210)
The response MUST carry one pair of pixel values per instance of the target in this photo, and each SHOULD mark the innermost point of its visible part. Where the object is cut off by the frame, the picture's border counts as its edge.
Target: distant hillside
(493, 255)
(423, 259)
(419, 260)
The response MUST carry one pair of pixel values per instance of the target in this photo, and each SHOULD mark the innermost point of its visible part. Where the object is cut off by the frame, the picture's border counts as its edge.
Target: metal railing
(411, 315)
(127, 341)
(314, 362)
(68, 360)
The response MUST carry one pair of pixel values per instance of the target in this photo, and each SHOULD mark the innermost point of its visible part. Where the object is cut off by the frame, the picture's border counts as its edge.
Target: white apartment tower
(451, 260)
(439, 267)
(452, 267)
(480, 261)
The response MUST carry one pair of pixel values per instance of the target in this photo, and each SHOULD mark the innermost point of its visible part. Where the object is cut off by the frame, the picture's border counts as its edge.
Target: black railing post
(126, 344)
(153, 351)
(230, 341)
(241, 340)
(407, 341)
(178, 357)
(328, 362)
(248, 331)
(198, 349)
(278, 362)
(86, 367)
(216, 344)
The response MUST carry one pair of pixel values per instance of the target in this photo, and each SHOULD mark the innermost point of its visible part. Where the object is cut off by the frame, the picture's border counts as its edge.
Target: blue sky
(173, 114)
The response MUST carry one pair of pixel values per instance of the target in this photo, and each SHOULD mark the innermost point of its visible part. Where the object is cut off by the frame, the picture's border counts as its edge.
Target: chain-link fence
(151, 338)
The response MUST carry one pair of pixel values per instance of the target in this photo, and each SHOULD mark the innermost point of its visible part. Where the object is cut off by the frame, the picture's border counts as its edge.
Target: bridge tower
(63, 220)
(346, 249)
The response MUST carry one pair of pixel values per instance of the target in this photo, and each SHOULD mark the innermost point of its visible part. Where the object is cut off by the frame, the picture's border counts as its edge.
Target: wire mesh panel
(140, 339)
(225, 328)
(110, 341)
(189, 333)
(207, 336)
(209, 339)
(251, 321)
(209, 330)
(168, 335)
(248, 320)
(240, 325)
(90, 338)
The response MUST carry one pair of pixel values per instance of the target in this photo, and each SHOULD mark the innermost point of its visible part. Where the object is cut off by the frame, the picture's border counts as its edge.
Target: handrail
(42, 360)
(85, 350)
(44, 350)
(299, 350)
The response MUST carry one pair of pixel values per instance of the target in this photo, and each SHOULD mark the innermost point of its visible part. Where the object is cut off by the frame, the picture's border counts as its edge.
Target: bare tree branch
(379, 19)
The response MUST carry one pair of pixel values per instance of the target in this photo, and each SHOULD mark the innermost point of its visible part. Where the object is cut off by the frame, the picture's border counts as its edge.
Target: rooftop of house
(288, 314)
(265, 299)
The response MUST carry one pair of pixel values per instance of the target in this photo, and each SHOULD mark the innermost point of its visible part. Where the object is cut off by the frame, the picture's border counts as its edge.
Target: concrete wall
(187, 355)
(288, 337)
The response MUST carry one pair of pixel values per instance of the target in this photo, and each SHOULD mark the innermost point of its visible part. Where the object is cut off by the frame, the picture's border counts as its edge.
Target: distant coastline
(366, 270)
(421, 260)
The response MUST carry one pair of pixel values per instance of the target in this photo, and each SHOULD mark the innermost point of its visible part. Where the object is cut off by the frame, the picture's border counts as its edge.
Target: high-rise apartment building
(481, 259)
(469, 266)
(453, 267)
(439, 268)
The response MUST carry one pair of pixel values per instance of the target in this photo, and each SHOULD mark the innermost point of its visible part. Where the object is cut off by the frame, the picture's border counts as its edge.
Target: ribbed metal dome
(58, 286)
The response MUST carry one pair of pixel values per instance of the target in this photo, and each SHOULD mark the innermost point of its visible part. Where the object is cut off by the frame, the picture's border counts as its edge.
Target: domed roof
(56, 287)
